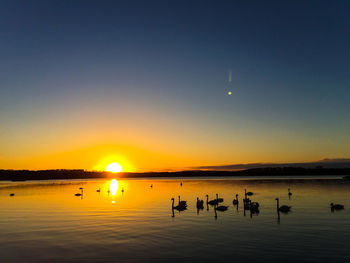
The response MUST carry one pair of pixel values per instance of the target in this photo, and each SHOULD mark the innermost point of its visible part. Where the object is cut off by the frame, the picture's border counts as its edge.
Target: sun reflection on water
(113, 186)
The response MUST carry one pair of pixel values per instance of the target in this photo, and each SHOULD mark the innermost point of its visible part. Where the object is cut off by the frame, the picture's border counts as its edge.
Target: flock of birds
(253, 207)
(98, 191)
(247, 203)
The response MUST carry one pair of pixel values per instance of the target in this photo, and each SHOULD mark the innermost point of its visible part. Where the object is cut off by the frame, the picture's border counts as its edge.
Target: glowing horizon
(122, 89)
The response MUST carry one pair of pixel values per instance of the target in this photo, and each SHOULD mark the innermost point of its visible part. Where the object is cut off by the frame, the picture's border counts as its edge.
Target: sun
(114, 168)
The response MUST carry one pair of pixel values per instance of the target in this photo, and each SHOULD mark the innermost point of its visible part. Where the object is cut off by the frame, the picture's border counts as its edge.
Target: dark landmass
(339, 163)
(23, 175)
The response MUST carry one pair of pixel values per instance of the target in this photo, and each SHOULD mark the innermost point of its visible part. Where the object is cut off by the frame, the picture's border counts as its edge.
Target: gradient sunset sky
(145, 83)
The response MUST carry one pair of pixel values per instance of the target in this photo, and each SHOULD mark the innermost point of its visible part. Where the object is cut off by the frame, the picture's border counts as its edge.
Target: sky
(146, 83)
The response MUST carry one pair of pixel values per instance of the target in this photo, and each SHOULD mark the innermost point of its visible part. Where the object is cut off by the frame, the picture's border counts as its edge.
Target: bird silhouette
(182, 203)
(337, 206)
(81, 193)
(254, 208)
(248, 193)
(178, 207)
(235, 201)
(211, 202)
(220, 200)
(221, 208)
(200, 204)
(283, 208)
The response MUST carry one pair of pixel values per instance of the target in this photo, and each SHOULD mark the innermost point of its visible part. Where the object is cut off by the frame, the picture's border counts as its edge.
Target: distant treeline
(22, 175)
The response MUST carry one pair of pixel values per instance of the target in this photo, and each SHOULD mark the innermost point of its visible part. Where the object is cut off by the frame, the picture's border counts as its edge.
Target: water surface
(46, 222)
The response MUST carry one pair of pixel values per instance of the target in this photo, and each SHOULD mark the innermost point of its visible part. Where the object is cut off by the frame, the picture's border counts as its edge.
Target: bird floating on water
(82, 191)
(200, 204)
(248, 193)
(283, 208)
(179, 207)
(246, 200)
(211, 202)
(337, 206)
(220, 200)
(254, 204)
(221, 208)
(289, 192)
(12, 194)
(235, 201)
(182, 203)
(254, 207)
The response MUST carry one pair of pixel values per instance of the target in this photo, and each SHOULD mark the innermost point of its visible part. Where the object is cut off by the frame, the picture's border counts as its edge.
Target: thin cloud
(325, 163)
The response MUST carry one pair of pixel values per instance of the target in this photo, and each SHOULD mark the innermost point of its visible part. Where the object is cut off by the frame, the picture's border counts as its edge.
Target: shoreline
(26, 175)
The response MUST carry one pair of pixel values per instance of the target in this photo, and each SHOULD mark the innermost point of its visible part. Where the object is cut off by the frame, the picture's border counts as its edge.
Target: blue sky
(164, 65)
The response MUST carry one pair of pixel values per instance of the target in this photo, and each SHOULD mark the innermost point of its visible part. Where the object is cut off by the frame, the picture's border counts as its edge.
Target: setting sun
(114, 168)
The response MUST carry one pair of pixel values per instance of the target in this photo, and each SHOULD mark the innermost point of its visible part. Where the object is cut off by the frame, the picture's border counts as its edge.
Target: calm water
(46, 222)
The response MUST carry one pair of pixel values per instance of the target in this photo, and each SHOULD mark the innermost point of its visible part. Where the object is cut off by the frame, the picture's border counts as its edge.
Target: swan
(254, 210)
(80, 194)
(200, 204)
(249, 193)
(246, 203)
(337, 206)
(254, 207)
(221, 208)
(212, 202)
(220, 200)
(12, 194)
(289, 192)
(182, 203)
(178, 207)
(254, 204)
(283, 208)
(246, 200)
(235, 201)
